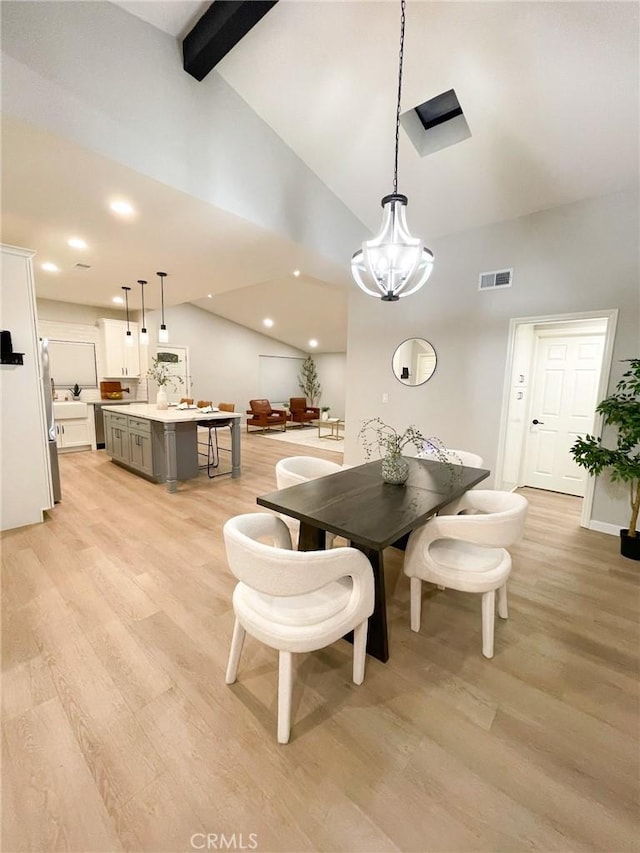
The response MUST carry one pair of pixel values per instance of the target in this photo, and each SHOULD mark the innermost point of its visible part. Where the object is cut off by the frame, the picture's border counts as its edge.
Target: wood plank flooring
(119, 732)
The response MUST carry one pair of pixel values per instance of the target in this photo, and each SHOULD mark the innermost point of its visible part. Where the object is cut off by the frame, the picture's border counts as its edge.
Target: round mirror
(414, 361)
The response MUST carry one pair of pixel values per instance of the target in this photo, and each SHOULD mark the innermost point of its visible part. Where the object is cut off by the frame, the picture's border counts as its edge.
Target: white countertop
(105, 401)
(172, 415)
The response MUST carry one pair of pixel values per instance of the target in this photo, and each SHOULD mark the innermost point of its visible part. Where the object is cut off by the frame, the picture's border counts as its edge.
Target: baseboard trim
(603, 527)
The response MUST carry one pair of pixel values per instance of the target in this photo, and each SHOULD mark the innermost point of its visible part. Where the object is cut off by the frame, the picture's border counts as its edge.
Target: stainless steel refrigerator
(47, 388)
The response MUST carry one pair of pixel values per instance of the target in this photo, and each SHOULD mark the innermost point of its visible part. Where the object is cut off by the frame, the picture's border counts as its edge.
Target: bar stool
(212, 427)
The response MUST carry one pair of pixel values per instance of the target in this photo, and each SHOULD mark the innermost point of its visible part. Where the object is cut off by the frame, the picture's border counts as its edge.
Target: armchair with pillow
(301, 413)
(263, 416)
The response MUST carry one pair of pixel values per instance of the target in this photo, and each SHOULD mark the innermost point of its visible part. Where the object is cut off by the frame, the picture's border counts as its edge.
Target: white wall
(24, 456)
(578, 257)
(223, 356)
(114, 84)
(69, 312)
(67, 321)
(332, 369)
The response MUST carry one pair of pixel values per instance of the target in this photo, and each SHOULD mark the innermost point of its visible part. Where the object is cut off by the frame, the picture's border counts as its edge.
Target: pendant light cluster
(163, 334)
(394, 264)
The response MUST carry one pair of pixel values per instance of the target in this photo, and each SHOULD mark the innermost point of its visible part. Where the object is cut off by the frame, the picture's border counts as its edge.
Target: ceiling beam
(220, 28)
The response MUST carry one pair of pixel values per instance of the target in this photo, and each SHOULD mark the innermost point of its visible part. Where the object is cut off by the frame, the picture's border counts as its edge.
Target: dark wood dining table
(357, 504)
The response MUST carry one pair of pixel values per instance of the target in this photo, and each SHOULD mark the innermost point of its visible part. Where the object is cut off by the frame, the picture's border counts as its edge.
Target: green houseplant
(377, 436)
(620, 410)
(76, 390)
(308, 380)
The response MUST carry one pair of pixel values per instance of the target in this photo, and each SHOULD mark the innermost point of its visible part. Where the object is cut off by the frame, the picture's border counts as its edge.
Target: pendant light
(163, 334)
(144, 335)
(393, 264)
(128, 339)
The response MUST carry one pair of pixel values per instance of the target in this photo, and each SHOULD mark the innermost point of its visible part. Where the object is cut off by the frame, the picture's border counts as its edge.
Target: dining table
(357, 504)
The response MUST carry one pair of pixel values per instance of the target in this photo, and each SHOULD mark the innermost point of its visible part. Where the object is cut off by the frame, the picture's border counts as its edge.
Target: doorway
(557, 371)
(176, 359)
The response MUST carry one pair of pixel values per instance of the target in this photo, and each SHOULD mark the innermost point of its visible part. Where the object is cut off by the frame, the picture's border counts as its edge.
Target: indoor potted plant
(377, 436)
(622, 411)
(76, 391)
(324, 412)
(161, 374)
(308, 380)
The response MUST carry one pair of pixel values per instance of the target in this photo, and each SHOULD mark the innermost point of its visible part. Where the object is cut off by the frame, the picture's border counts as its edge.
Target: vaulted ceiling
(549, 90)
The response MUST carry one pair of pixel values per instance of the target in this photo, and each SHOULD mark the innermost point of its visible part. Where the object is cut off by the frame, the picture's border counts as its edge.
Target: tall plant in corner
(620, 410)
(308, 380)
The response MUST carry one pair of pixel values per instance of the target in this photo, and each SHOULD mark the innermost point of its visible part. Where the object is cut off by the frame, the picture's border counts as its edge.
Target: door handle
(536, 422)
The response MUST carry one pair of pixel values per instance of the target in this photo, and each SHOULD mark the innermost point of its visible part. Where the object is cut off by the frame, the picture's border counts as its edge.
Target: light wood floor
(120, 734)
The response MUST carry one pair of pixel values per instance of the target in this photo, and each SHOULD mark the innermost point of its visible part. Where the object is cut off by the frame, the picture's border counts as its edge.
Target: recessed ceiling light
(313, 342)
(118, 300)
(76, 243)
(49, 267)
(209, 295)
(296, 273)
(267, 322)
(121, 207)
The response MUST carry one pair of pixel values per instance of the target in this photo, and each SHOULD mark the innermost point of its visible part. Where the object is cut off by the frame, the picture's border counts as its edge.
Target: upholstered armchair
(300, 413)
(263, 416)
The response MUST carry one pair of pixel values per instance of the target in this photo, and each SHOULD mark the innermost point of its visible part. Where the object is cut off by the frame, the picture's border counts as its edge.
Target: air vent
(82, 266)
(495, 280)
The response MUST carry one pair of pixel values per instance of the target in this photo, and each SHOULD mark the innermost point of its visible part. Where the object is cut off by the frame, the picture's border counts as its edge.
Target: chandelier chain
(401, 60)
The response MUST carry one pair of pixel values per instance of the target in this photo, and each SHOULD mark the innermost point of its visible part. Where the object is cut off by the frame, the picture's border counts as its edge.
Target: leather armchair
(301, 413)
(263, 416)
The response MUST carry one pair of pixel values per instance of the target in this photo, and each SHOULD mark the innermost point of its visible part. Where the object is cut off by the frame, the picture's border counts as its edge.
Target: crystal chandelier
(393, 264)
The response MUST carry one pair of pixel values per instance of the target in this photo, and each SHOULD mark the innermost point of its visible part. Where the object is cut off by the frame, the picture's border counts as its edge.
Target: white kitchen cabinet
(119, 360)
(73, 434)
(74, 426)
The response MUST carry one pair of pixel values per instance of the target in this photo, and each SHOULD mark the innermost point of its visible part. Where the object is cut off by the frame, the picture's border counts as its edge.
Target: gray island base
(162, 445)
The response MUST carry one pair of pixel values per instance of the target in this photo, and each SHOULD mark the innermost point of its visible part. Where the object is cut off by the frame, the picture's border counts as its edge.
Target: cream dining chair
(294, 470)
(294, 601)
(456, 457)
(468, 552)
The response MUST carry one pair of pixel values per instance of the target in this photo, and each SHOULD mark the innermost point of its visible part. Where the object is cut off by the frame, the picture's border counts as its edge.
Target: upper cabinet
(119, 360)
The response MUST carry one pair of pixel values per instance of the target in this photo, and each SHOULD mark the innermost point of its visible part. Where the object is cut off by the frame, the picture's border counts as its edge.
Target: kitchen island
(162, 444)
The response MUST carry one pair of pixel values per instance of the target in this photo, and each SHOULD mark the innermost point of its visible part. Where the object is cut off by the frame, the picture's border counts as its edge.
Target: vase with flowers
(162, 375)
(377, 436)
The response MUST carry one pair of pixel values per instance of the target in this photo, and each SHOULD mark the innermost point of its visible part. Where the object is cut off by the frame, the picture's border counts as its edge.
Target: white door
(563, 400)
(176, 359)
(426, 364)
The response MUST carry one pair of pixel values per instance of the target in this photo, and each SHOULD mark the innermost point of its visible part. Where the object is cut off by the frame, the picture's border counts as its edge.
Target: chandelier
(394, 264)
